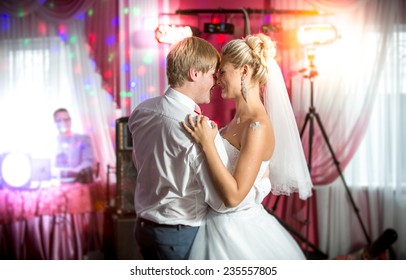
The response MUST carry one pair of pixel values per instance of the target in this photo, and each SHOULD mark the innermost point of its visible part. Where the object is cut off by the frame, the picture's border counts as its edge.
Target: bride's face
(229, 80)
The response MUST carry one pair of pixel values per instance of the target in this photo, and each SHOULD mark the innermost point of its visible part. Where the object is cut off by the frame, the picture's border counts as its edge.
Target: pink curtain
(52, 237)
(60, 222)
(102, 35)
(101, 27)
(292, 213)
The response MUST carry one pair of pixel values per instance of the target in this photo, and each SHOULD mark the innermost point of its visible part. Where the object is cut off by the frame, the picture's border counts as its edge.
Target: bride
(264, 154)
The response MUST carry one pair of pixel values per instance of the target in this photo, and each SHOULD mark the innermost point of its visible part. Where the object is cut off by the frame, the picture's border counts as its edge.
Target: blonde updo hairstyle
(253, 50)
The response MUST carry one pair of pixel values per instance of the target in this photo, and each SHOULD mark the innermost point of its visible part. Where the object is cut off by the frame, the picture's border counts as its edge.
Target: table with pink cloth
(58, 222)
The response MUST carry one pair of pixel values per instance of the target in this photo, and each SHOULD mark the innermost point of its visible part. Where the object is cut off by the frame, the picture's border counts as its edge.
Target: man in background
(74, 157)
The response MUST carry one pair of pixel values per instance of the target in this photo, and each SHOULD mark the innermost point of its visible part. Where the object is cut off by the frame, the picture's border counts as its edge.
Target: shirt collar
(185, 100)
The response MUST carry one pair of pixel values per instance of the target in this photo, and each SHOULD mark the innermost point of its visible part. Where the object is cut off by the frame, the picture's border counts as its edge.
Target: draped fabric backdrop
(358, 94)
(99, 57)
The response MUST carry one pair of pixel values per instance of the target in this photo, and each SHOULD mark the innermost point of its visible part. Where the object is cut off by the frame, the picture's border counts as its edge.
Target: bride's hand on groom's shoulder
(201, 128)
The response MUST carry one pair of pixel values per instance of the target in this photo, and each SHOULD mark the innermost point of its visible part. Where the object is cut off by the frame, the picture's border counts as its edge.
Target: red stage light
(215, 20)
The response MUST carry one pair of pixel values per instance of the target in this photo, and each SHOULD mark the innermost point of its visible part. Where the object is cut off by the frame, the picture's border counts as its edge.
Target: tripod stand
(309, 119)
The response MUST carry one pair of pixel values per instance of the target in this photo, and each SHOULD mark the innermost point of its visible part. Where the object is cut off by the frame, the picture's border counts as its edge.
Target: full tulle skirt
(249, 234)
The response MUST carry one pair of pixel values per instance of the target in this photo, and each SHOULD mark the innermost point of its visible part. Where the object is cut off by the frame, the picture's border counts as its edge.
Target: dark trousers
(163, 242)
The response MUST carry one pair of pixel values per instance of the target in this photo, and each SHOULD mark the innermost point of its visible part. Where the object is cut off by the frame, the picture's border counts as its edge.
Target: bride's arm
(232, 188)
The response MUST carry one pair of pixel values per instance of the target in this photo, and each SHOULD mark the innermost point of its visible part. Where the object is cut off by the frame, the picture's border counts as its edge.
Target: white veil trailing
(288, 169)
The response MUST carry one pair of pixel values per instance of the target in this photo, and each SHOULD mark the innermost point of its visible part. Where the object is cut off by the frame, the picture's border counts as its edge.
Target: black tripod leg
(304, 124)
(297, 234)
(337, 164)
(309, 117)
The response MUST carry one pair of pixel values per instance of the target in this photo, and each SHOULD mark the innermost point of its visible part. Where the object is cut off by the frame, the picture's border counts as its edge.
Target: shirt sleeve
(87, 153)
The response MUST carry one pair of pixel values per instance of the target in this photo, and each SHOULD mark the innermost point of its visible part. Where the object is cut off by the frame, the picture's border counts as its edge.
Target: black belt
(143, 221)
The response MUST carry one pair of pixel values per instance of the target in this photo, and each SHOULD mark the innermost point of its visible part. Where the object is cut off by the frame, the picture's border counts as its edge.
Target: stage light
(271, 27)
(16, 170)
(317, 34)
(219, 28)
(170, 33)
(215, 20)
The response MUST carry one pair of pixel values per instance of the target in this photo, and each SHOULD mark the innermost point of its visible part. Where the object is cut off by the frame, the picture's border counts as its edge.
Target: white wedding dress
(248, 231)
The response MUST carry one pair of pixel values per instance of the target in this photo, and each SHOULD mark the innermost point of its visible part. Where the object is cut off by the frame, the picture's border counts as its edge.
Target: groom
(173, 187)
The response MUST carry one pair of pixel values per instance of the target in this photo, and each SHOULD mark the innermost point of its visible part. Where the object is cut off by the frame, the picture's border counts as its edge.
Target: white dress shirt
(71, 152)
(173, 184)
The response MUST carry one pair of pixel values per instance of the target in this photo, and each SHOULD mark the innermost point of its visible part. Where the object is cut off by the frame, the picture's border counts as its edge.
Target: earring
(244, 88)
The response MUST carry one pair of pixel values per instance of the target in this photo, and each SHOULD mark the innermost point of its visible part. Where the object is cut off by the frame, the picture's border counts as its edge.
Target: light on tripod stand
(312, 36)
(311, 54)
(317, 34)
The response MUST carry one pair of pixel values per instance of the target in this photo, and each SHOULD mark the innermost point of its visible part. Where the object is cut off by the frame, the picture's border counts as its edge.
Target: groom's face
(205, 82)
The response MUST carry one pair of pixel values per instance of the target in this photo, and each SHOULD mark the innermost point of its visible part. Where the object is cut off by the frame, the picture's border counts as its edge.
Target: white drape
(346, 85)
(380, 163)
(39, 74)
(361, 81)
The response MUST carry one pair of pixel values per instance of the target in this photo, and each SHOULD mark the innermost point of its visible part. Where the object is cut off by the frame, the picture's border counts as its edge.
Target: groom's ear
(193, 73)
